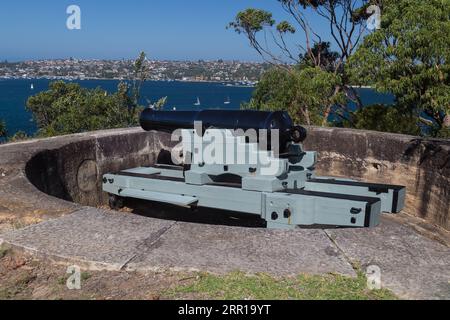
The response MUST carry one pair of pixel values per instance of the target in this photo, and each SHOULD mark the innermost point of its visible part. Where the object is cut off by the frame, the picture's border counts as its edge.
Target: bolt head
(287, 214)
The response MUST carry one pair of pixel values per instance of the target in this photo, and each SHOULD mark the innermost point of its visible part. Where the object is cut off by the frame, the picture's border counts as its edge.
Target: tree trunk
(357, 100)
(329, 108)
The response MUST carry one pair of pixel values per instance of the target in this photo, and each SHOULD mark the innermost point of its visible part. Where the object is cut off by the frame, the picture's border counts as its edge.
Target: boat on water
(228, 101)
(32, 87)
(198, 103)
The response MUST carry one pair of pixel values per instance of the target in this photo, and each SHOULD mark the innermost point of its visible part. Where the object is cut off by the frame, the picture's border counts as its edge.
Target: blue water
(180, 95)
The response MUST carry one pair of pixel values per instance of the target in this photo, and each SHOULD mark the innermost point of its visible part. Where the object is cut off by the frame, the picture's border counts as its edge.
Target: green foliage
(322, 56)
(19, 136)
(141, 73)
(285, 27)
(443, 133)
(386, 119)
(238, 286)
(252, 21)
(409, 57)
(308, 94)
(4, 251)
(67, 108)
(3, 131)
(158, 105)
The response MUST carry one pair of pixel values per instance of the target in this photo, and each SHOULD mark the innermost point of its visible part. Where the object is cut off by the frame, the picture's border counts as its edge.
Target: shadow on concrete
(205, 215)
(199, 215)
(43, 171)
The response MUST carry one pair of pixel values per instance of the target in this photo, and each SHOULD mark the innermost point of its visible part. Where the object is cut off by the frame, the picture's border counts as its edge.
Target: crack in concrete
(148, 244)
(346, 257)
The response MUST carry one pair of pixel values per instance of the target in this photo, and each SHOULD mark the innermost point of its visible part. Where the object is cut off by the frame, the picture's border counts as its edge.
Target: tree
(140, 75)
(344, 18)
(409, 57)
(276, 43)
(326, 59)
(385, 119)
(305, 93)
(18, 136)
(3, 131)
(141, 72)
(67, 108)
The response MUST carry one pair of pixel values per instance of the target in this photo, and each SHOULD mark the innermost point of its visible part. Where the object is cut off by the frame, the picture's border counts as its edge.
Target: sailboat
(198, 103)
(227, 101)
(32, 86)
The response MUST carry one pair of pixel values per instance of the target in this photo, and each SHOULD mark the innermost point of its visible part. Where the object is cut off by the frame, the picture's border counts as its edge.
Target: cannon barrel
(169, 121)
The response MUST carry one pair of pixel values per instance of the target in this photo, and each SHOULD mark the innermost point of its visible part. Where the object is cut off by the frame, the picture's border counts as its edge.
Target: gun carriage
(276, 180)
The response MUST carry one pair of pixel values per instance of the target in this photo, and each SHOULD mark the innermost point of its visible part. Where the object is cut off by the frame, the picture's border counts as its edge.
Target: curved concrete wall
(70, 168)
(422, 165)
(74, 170)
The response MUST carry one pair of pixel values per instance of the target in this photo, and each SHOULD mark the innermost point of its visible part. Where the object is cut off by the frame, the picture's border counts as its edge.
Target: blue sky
(175, 29)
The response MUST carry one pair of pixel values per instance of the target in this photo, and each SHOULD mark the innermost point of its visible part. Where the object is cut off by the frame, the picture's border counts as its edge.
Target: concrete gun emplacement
(269, 175)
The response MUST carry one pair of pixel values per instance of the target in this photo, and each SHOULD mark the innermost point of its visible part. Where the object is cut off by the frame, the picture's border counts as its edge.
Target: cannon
(220, 164)
(168, 121)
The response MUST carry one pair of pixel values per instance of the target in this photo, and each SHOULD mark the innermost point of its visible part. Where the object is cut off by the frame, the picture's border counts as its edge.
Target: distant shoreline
(235, 83)
(229, 83)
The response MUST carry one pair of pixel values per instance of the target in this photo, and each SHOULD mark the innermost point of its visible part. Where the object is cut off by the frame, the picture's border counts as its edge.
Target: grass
(19, 286)
(4, 251)
(238, 286)
(233, 286)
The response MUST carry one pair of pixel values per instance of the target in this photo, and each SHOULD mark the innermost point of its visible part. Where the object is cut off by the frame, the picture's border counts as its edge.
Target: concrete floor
(412, 266)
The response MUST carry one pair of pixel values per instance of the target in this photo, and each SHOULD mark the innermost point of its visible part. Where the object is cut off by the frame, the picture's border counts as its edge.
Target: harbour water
(180, 95)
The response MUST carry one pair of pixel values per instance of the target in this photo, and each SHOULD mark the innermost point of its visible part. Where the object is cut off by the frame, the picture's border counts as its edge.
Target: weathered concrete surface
(21, 203)
(227, 249)
(113, 241)
(90, 237)
(412, 266)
